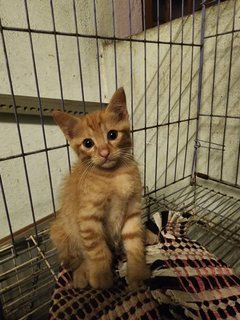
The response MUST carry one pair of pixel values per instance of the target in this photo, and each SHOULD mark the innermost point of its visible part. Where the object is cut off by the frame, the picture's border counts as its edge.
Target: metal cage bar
(79, 57)
(59, 72)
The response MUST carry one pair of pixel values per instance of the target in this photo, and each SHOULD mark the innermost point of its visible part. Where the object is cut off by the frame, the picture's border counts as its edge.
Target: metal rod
(213, 88)
(228, 90)
(59, 73)
(41, 306)
(24, 280)
(25, 265)
(98, 37)
(169, 94)
(158, 98)
(180, 191)
(222, 33)
(163, 124)
(234, 253)
(190, 92)
(213, 143)
(226, 227)
(35, 278)
(219, 116)
(7, 215)
(145, 100)
(114, 45)
(224, 182)
(182, 205)
(223, 203)
(196, 198)
(44, 258)
(238, 163)
(30, 153)
(224, 209)
(237, 258)
(131, 68)
(27, 294)
(236, 230)
(98, 53)
(180, 95)
(200, 69)
(163, 187)
(17, 276)
(79, 57)
(190, 192)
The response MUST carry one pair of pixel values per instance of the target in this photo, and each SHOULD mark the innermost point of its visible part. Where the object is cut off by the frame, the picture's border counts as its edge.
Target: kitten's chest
(120, 190)
(103, 189)
(121, 186)
(114, 218)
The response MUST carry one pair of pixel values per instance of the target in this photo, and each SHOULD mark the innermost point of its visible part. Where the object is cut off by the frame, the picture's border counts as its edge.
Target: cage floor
(27, 276)
(215, 221)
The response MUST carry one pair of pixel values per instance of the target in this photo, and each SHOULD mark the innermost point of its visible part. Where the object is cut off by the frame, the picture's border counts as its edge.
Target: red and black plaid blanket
(187, 282)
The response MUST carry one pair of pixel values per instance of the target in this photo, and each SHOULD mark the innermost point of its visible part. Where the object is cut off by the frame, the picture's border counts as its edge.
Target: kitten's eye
(88, 143)
(112, 135)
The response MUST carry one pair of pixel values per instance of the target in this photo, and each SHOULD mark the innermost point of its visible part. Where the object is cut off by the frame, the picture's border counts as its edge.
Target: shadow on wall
(25, 119)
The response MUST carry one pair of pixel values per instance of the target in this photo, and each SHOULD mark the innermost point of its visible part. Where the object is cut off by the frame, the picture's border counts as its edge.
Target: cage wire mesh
(182, 80)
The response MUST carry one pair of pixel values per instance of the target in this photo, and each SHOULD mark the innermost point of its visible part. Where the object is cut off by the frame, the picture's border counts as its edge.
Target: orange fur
(101, 198)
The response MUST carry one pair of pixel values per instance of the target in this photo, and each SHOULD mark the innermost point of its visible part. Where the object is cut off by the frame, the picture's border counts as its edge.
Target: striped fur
(101, 199)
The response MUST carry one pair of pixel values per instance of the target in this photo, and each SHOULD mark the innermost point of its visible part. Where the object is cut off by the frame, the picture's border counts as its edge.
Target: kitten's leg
(80, 276)
(98, 258)
(133, 242)
(69, 254)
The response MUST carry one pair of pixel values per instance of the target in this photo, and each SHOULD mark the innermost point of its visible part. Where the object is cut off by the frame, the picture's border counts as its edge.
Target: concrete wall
(13, 15)
(177, 85)
(221, 95)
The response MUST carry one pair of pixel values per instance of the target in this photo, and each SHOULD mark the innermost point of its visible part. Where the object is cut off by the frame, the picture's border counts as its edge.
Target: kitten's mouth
(108, 163)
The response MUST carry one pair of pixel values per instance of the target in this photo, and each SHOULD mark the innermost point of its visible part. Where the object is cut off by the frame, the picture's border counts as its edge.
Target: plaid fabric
(115, 303)
(187, 283)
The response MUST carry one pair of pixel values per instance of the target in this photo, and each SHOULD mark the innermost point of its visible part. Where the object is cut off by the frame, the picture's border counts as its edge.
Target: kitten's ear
(66, 122)
(117, 104)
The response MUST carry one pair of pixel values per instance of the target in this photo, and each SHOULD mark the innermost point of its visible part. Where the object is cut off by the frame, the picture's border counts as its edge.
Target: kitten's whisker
(84, 174)
(125, 160)
(127, 156)
(124, 156)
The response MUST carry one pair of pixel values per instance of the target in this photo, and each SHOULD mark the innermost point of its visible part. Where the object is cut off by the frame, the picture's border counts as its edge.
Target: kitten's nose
(104, 153)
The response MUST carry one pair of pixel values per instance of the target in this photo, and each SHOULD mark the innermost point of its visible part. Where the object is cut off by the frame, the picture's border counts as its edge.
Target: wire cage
(180, 67)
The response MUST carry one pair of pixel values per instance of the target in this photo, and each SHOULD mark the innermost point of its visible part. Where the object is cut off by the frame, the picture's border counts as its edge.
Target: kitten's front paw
(136, 276)
(80, 277)
(101, 279)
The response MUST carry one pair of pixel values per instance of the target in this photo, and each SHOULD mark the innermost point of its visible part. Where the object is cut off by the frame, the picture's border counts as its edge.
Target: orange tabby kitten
(101, 198)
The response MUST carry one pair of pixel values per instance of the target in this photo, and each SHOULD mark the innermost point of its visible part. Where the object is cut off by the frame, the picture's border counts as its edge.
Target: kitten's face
(101, 138)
